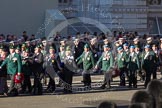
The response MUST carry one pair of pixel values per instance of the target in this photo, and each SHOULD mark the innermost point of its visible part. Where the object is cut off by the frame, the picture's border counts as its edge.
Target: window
(105, 2)
(70, 1)
(60, 1)
(65, 1)
(154, 2)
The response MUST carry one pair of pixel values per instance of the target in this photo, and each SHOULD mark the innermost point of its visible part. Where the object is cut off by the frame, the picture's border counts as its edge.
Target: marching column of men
(130, 58)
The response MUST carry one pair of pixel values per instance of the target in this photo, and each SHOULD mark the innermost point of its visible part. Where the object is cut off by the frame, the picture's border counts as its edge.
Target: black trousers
(68, 81)
(12, 84)
(122, 76)
(37, 87)
(106, 80)
(141, 75)
(26, 83)
(133, 78)
(61, 77)
(127, 73)
(154, 72)
(86, 79)
(148, 77)
(51, 85)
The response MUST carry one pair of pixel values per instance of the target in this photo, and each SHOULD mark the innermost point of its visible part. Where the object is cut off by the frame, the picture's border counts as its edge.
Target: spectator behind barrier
(107, 104)
(138, 105)
(143, 97)
(155, 89)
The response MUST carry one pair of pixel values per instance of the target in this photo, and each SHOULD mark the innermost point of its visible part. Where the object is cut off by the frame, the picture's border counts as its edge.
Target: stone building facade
(143, 16)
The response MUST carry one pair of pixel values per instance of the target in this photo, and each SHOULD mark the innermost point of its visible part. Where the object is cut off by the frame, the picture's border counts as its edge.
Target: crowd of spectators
(149, 98)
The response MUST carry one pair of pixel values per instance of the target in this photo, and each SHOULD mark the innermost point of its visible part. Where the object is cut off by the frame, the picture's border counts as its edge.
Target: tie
(11, 56)
(86, 54)
(120, 56)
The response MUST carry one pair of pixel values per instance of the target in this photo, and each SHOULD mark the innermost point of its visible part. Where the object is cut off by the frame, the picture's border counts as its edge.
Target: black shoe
(40, 93)
(87, 88)
(5, 94)
(67, 92)
(54, 93)
(50, 90)
(135, 86)
(122, 84)
(108, 87)
(102, 87)
(130, 86)
(58, 85)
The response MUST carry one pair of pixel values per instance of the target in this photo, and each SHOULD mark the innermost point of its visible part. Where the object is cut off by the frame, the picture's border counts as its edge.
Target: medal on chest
(134, 59)
(88, 58)
(122, 59)
(106, 57)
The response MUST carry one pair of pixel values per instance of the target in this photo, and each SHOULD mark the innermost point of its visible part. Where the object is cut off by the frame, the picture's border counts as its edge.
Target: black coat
(37, 65)
(3, 71)
(78, 50)
(51, 63)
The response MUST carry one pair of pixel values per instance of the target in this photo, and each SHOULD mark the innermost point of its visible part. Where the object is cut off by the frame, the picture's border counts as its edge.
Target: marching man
(133, 65)
(14, 66)
(107, 62)
(148, 63)
(121, 63)
(88, 63)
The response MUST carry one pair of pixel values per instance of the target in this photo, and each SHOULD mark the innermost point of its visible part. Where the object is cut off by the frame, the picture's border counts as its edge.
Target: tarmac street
(80, 98)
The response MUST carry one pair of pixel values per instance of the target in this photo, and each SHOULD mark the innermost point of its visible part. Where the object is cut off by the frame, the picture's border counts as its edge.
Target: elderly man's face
(154, 48)
(0, 50)
(135, 42)
(61, 48)
(106, 48)
(44, 43)
(37, 50)
(12, 50)
(28, 44)
(125, 47)
(17, 51)
(86, 49)
(131, 49)
(68, 53)
(136, 49)
(63, 43)
(161, 45)
(106, 42)
(121, 42)
(51, 51)
(149, 41)
(26, 54)
(120, 51)
(147, 49)
(76, 42)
